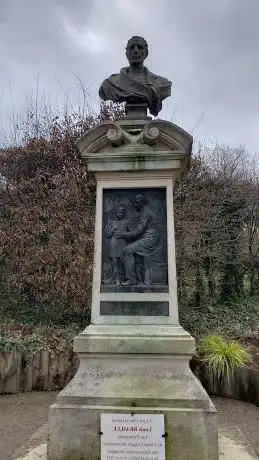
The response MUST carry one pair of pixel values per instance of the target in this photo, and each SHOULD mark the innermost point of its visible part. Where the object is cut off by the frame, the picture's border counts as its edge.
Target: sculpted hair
(136, 38)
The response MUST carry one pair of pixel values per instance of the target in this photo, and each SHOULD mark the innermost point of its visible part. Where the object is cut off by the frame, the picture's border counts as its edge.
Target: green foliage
(24, 338)
(216, 223)
(29, 344)
(232, 319)
(17, 307)
(223, 357)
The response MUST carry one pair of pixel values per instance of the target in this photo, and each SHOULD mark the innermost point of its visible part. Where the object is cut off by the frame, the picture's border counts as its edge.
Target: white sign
(137, 437)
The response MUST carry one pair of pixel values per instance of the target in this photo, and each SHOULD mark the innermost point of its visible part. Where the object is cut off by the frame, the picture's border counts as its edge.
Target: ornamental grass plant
(222, 356)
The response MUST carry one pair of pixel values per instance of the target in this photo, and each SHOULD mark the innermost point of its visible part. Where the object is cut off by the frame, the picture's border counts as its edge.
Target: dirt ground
(23, 418)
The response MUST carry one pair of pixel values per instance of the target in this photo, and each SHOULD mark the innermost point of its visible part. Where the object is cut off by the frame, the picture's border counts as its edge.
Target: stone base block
(75, 432)
(117, 376)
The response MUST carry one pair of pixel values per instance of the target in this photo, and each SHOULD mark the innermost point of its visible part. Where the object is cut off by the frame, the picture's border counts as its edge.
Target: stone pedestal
(134, 357)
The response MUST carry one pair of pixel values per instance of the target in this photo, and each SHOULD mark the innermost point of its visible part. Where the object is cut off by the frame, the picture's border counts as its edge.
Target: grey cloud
(208, 49)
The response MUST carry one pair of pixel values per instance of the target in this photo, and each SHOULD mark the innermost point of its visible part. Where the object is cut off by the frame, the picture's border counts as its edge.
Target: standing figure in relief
(117, 245)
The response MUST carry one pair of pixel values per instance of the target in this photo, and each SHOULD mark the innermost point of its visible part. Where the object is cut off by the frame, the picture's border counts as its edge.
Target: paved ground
(21, 416)
(22, 419)
(235, 417)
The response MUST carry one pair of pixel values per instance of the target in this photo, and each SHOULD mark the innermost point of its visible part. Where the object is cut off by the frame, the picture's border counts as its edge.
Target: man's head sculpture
(136, 85)
(139, 201)
(136, 50)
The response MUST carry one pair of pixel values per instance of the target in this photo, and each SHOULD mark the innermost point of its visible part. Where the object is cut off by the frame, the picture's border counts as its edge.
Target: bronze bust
(135, 84)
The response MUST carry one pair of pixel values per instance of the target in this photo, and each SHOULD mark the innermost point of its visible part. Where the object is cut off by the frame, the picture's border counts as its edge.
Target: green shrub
(222, 356)
(28, 344)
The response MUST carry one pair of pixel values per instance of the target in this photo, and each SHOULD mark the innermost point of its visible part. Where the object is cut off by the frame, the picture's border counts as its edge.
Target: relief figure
(117, 245)
(140, 243)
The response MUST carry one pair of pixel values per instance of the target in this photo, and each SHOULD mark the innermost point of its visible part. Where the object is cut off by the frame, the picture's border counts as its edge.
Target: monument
(134, 396)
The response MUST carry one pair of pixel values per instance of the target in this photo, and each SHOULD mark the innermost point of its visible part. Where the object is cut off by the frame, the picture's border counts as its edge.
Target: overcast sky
(209, 49)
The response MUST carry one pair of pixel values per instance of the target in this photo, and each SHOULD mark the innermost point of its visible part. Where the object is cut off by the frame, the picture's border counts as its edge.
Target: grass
(222, 356)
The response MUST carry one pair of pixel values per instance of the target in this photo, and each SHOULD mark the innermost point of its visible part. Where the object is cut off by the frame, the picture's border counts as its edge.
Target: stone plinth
(134, 357)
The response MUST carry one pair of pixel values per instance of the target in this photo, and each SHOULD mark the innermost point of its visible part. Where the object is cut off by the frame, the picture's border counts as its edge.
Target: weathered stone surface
(144, 340)
(140, 383)
(229, 449)
(191, 433)
(134, 145)
(144, 370)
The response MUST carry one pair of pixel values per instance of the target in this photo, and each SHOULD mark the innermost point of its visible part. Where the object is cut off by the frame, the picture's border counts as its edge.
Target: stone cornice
(135, 145)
